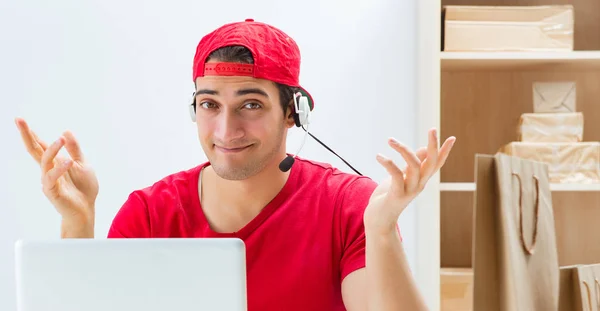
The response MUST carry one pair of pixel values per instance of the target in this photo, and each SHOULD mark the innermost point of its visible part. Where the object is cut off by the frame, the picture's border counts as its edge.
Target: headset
(301, 110)
(192, 107)
(301, 115)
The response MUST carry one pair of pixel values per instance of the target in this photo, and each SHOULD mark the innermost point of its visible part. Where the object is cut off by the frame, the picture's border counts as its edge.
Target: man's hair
(240, 54)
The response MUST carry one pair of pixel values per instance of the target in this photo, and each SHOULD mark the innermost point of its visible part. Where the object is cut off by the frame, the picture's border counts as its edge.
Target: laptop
(131, 274)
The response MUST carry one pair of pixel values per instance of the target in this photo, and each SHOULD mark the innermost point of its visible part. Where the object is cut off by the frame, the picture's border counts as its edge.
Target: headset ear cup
(304, 111)
(296, 118)
(192, 109)
(301, 110)
(295, 111)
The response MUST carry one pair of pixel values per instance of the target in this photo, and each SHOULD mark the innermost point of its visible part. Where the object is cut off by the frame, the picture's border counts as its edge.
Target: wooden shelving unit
(479, 99)
(466, 186)
(520, 61)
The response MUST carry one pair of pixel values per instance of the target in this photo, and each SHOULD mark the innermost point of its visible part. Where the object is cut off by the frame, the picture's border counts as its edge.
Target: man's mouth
(231, 150)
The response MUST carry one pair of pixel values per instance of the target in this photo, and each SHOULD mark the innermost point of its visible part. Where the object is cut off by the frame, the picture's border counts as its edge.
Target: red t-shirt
(300, 246)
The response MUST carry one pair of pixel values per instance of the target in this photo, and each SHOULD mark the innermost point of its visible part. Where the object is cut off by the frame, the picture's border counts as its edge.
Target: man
(316, 238)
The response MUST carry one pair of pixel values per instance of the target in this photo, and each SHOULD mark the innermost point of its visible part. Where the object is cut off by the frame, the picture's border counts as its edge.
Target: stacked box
(554, 97)
(553, 134)
(508, 28)
(567, 162)
(551, 127)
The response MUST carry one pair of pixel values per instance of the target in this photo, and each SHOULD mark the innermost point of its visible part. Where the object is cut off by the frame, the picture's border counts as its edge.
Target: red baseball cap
(276, 55)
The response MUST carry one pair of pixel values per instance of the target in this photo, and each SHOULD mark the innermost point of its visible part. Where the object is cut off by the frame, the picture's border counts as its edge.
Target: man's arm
(82, 228)
(387, 282)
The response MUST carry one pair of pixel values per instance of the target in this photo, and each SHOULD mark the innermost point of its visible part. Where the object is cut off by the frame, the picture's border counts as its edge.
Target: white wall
(118, 74)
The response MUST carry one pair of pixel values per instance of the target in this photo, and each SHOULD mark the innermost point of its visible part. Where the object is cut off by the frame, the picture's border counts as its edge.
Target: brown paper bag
(554, 97)
(566, 298)
(586, 284)
(515, 261)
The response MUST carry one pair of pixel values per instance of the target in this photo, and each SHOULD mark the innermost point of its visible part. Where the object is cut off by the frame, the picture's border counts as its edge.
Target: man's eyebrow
(252, 91)
(240, 92)
(206, 91)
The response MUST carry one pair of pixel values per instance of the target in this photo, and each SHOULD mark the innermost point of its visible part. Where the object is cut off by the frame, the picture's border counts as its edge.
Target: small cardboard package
(567, 162)
(551, 127)
(456, 289)
(553, 97)
(508, 28)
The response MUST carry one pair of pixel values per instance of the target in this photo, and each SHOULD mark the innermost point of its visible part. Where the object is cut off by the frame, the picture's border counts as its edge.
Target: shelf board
(456, 271)
(469, 186)
(476, 61)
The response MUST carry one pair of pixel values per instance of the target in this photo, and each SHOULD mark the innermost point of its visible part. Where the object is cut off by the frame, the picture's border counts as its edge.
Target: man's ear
(289, 115)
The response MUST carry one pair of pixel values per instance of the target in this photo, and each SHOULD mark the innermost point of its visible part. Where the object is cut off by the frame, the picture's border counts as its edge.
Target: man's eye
(208, 105)
(252, 106)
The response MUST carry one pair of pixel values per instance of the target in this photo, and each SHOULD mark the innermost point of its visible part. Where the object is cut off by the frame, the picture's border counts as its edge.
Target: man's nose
(228, 127)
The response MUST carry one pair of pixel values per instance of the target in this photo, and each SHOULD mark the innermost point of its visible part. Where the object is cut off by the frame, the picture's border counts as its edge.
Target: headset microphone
(286, 163)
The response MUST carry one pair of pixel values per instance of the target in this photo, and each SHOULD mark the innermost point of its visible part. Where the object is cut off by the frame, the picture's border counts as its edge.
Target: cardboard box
(554, 97)
(551, 127)
(508, 28)
(456, 289)
(567, 162)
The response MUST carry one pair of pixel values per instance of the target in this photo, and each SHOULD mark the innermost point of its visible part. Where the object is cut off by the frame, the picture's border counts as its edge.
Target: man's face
(241, 125)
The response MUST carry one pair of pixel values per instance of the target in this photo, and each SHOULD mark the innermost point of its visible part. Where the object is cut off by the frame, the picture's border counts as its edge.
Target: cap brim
(311, 102)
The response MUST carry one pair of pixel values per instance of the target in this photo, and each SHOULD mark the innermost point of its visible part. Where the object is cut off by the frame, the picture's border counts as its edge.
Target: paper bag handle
(589, 294)
(597, 292)
(529, 249)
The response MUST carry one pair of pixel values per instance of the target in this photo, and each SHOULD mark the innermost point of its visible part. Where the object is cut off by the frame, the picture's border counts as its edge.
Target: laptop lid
(131, 274)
